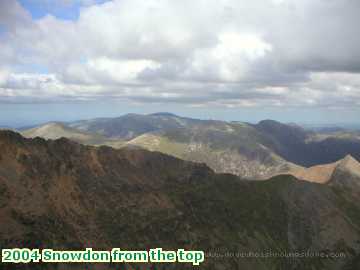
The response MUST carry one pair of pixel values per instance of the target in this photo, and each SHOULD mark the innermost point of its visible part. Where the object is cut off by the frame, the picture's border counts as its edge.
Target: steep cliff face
(63, 195)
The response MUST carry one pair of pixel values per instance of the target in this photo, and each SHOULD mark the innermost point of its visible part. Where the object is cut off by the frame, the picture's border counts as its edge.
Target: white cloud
(230, 59)
(121, 71)
(233, 44)
(227, 52)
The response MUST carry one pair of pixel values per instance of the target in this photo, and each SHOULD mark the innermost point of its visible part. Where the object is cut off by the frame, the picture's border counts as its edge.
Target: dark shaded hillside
(63, 195)
(293, 144)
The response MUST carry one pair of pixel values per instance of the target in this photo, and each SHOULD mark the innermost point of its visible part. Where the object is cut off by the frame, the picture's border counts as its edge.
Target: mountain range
(251, 151)
(64, 195)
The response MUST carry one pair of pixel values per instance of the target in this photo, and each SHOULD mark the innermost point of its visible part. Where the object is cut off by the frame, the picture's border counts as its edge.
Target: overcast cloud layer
(224, 53)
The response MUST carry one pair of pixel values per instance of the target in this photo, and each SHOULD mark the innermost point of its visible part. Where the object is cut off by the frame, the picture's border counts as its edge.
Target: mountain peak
(349, 164)
(164, 114)
(349, 158)
(269, 122)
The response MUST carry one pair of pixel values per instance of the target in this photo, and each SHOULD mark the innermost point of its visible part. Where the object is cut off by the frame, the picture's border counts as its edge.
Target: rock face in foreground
(63, 195)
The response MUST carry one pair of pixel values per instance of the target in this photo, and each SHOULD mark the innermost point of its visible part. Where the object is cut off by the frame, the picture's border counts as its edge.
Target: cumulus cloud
(202, 53)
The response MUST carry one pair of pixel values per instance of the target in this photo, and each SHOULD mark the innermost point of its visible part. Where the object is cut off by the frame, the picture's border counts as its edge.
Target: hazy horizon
(57, 113)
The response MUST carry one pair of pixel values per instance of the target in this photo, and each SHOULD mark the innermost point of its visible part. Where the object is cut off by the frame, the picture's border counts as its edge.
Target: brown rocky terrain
(63, 195)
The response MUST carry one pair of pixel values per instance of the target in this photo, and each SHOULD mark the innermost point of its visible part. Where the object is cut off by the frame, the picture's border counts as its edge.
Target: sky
(288, 60)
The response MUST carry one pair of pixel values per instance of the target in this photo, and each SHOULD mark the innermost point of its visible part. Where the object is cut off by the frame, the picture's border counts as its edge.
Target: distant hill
(63, 195)
(132, 125)
(57, 130)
